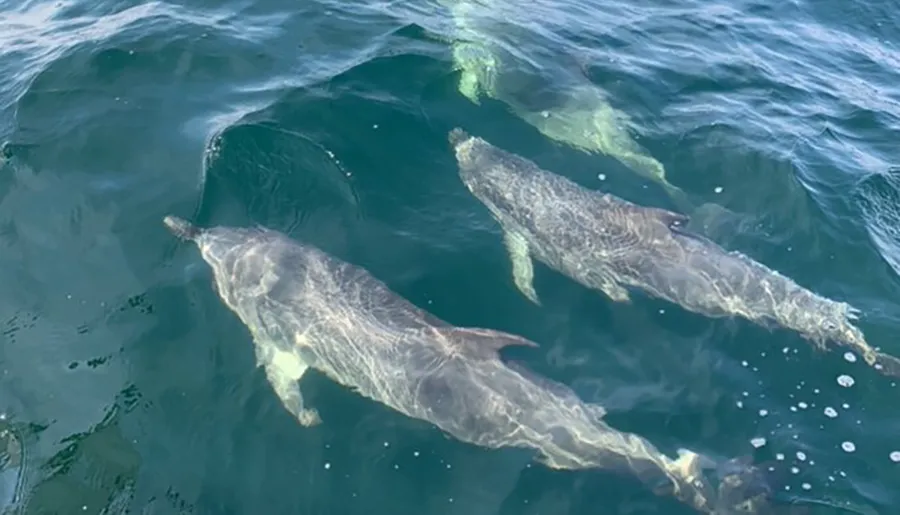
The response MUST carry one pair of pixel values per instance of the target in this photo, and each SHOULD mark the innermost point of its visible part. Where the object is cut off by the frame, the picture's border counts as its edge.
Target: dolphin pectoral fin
(611, 288)
(284, 370)
(522, 264)
(483, 343)
(288, 390)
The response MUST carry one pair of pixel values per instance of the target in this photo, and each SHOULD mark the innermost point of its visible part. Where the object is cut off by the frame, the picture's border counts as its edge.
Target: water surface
(127, 385)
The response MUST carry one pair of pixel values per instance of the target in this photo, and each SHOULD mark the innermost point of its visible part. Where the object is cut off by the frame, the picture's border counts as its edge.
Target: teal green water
(128, 387)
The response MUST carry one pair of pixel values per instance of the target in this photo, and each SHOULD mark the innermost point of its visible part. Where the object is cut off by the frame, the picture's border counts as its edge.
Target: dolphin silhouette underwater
(306, 309)
(581, 116)
(609, 244)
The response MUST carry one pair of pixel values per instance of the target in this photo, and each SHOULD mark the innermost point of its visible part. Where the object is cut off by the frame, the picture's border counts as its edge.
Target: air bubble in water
(845, 380)
(758, 442)
(803, 405)
(849, 356)
(830, 412)
(895, 456)
(848, 446)
(763, 412)
(801, 456)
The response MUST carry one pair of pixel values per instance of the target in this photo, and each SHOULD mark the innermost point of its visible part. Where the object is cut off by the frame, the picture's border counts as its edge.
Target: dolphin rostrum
(609, 244)
(306, 309)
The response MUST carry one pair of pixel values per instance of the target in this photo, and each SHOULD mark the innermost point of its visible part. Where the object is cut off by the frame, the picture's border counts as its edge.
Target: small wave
(879, 201)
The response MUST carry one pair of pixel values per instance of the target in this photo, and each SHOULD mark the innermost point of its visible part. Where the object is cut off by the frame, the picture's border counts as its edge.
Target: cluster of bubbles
(832, 412)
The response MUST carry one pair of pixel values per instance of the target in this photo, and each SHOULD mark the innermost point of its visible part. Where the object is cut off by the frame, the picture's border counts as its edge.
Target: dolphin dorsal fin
(485, 343)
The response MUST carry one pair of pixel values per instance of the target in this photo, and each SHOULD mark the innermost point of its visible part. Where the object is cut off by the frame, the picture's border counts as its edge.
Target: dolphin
(612, 245)
(306, 309)
(559, 101)
(580, 115)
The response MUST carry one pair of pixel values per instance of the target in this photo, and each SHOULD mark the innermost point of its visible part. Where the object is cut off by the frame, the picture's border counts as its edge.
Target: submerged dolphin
(609, 244)
(486, 48)
(306, 309)
(580, 117)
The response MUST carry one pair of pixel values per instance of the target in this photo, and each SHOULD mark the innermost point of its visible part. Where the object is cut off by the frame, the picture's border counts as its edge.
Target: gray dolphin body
(609, 244)
(306, 309)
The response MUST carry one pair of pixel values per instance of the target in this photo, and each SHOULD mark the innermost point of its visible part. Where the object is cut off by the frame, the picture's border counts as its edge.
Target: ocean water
(128, 387)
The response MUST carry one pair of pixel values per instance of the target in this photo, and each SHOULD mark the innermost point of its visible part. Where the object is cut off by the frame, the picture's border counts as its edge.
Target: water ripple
(114, 112)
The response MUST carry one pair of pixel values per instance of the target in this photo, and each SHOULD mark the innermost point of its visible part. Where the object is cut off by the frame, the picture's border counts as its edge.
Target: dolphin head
(479, 167)
(224, 249)
(465, 147)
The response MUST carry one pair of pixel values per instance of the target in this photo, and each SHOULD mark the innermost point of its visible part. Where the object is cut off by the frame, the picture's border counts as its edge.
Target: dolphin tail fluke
(457, 136)
(745, 487)
(689, 465)
(181, 227)
(885, 363)
(690, 484)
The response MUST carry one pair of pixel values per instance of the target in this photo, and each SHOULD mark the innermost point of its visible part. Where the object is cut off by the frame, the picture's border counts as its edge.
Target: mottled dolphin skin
(306, 309)
(609, 244)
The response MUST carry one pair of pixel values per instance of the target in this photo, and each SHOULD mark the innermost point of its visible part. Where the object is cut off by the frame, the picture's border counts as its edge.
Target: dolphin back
(181, 228)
